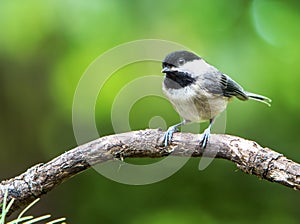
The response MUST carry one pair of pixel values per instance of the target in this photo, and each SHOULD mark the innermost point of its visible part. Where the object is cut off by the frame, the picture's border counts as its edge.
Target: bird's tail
(259, 98)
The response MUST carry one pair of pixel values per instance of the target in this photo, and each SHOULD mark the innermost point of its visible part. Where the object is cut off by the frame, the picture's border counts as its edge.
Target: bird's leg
(169, 133)
(206, 134)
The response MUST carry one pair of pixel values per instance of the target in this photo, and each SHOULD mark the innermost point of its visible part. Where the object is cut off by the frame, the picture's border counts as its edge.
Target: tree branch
(247, 155)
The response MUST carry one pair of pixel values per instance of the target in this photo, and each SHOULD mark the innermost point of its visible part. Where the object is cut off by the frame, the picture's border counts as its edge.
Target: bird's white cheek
(198, 67)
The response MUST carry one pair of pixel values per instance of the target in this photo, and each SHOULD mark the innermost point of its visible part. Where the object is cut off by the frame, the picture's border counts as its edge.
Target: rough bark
(247, 155)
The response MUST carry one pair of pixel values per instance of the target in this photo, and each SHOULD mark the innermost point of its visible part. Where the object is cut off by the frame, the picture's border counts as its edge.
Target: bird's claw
(169, 134)
(204, 138)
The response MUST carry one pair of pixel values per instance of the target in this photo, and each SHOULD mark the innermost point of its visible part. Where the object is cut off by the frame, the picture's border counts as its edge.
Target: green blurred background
(45, 47)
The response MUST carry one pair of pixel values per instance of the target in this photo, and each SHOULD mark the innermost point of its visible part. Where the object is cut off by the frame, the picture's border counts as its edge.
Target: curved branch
(247, 155)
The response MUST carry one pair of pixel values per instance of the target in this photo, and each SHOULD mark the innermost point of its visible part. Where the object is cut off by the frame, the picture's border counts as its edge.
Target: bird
(198, 91)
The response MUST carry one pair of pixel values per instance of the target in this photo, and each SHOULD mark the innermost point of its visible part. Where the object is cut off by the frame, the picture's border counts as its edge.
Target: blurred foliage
(45, 47)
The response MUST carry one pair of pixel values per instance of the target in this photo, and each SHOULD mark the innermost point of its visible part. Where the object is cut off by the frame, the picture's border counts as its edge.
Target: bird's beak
(168, 70)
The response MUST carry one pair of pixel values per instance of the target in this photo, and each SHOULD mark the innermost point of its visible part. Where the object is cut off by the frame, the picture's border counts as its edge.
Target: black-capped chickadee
(198, 91)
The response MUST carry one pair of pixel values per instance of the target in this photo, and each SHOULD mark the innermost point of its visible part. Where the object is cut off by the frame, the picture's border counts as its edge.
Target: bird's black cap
(177, 58)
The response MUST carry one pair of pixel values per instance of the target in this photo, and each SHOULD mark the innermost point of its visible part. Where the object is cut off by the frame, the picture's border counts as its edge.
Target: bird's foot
(204, 138)
(169, 134)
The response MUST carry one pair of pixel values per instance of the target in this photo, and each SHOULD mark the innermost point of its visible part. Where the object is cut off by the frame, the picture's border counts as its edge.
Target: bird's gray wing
(221, 84)
(231, 88)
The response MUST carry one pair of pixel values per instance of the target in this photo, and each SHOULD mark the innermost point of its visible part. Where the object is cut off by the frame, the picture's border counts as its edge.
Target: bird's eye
(181, 61)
